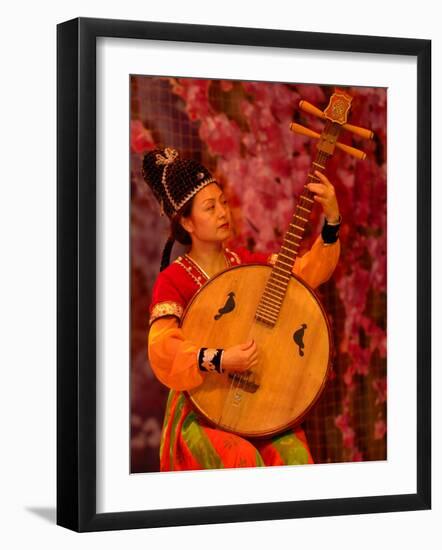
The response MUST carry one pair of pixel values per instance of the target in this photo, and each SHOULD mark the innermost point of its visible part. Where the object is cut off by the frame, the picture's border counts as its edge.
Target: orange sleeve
(173, 359)
(317, 265)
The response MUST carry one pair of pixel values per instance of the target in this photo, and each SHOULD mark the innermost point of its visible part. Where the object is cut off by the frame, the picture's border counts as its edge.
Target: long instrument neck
(271, 301)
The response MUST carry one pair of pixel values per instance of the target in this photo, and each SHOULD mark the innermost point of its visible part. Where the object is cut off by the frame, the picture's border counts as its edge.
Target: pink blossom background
(240, 130)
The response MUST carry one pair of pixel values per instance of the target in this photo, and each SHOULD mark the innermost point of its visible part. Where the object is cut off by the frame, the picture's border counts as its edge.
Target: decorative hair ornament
(169, 156)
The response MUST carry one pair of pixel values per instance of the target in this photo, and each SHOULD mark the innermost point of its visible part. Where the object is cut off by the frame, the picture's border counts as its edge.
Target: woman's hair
(177, 233)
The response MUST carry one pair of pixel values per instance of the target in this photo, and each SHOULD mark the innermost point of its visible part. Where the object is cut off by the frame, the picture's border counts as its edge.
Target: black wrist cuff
(330, 233)
(209, 359)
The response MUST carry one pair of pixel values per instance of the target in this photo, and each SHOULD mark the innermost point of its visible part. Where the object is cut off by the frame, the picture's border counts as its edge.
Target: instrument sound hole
(227, 307)
(298, 337)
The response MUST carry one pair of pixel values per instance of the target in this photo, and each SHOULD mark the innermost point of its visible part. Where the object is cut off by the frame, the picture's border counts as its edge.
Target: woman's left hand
(325, 195)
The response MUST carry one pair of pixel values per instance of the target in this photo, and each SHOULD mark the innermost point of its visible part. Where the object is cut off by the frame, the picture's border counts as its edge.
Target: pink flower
(141, 139)
(226, 85)
(348, 434)
(221, 135)
(380, 385)
(348, 438)
(312, 93)
(342, 421)
(349, 374)
(195, 93)
(380, 429)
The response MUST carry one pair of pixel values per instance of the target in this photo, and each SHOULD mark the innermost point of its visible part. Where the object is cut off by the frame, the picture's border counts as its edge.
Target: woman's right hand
(241, 357)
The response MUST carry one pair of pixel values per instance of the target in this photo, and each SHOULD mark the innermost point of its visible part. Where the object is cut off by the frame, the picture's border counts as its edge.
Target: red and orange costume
(188, 443)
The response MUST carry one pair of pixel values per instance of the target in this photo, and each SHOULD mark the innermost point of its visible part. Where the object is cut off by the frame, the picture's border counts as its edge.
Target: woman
(200, 217)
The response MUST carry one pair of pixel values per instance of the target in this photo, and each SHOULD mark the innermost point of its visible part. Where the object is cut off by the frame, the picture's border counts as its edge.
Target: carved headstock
(336, 116)
(338, 107)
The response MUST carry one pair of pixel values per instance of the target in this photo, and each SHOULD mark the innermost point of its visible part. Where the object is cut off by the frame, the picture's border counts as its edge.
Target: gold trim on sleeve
(163, 309)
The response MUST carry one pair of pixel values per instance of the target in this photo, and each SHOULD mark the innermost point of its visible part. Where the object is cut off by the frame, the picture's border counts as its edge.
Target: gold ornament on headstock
(335, 115)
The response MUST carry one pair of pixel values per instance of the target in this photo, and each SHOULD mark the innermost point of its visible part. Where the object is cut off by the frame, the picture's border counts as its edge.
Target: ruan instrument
(278, 310)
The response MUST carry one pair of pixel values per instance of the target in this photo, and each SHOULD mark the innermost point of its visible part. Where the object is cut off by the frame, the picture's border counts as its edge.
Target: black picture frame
(76, 273)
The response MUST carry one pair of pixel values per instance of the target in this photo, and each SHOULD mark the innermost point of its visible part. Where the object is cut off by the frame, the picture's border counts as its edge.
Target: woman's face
(210, 219)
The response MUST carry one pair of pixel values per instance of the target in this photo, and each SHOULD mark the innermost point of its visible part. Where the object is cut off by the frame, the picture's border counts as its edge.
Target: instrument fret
(290, 250)
(292, 235)
(264, 320)
(294, 250)
(287, 244)
(278, 290)
(281, 261)
(297, 226)
(271, 309)
(271, 314)
(281, 272)
(271, 298)
(309, 200)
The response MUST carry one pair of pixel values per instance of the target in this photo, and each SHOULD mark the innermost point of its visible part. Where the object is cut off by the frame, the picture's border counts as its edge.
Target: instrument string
(244, 378)
(234, 385)
(236, 380)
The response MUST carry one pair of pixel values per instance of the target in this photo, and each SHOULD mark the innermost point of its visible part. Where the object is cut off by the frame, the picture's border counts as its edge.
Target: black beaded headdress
(173, 180)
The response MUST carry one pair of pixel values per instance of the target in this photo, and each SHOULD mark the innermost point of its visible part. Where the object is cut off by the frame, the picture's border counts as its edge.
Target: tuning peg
(312, 110)
(299, 129)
